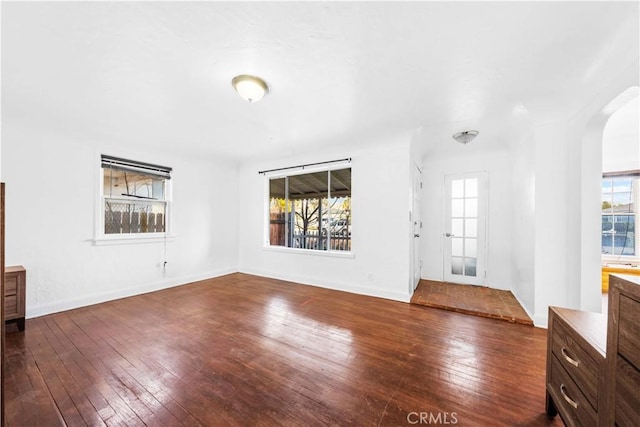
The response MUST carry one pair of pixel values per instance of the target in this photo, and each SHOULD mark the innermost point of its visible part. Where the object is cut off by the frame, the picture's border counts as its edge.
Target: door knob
(448, 235)
(416, 235)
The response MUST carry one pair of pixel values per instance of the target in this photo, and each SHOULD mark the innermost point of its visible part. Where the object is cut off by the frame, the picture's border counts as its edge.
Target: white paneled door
(464, 254)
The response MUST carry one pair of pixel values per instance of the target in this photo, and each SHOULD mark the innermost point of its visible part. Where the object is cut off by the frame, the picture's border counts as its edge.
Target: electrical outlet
(370, 277)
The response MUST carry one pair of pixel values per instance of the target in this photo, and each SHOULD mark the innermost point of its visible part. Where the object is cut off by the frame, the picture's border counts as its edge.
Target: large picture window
(134, 197)
(620, 194)
(311, 210)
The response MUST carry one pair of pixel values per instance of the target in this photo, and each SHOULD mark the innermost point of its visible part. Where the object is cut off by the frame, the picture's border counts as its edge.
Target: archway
(591, 214)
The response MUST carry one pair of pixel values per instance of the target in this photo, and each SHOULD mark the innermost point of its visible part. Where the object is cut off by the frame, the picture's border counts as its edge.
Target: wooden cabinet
(2, 412)
(15, 281)
(610, 269)
(576, 366)
(623, 351)
(593, 362)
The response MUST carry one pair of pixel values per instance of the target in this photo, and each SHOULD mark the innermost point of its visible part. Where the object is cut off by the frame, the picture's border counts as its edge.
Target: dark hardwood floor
(248, 351)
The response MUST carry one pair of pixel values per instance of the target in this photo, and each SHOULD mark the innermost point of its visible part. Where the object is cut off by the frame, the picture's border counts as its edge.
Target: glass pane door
(464, 228)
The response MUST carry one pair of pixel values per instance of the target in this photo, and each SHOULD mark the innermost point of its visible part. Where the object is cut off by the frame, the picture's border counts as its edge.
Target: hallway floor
(468, 299)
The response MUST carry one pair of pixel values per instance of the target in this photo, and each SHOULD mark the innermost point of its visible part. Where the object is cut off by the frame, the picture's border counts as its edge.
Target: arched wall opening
(591, 199)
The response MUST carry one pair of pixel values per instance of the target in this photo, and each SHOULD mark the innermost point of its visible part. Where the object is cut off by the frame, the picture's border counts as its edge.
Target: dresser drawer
(10, 284)
(627, 397)
(574, 406)
(10, 306)
(15, 280)
(629, 330)
(579, 365)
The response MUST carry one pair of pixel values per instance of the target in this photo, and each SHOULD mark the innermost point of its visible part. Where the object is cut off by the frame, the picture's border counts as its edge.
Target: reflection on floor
(243, 350)
(468, 299)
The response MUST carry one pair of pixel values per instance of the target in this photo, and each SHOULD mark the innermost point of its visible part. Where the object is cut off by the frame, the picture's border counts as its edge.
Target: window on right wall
(620, 216)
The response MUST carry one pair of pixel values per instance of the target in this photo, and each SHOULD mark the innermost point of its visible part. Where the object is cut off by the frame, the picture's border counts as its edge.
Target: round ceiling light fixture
(250, 88)
(466, 136)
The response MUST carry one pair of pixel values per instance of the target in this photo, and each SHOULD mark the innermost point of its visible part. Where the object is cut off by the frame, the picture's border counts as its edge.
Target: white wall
(561, 166)
(469, 158)
(52, 184)
(552, 213)
(523, 187)
(568, 168)
(380, 211)
(622, 72)
(621, 139)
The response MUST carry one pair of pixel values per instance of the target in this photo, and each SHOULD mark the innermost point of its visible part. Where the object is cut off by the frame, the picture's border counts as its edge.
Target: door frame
(482, 229)
(415, 227)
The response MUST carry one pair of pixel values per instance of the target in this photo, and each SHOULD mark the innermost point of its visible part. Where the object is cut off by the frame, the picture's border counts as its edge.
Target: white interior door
(416, 225)
(464, 254)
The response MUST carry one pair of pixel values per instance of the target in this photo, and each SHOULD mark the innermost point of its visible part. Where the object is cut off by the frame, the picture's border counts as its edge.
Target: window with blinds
(134, 197)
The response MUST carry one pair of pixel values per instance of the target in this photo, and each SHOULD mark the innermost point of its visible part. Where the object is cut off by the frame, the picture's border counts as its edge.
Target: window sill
(299, 251)
(620, 261)
(129, 239)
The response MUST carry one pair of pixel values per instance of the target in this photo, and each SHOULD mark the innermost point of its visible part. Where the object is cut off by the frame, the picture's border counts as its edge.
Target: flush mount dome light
(251, 88)
(465, 137)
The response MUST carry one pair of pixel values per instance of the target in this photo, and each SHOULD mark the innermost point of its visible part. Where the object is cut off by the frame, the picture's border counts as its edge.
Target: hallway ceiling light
(466, 136)
(251, 88)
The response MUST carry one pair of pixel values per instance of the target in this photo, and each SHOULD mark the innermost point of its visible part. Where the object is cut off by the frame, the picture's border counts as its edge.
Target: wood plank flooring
(249, 351)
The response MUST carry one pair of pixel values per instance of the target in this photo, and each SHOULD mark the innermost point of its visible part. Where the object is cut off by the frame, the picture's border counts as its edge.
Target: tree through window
(311, 210)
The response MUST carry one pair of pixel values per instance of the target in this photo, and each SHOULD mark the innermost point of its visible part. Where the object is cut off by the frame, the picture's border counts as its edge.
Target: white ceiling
(158, 73)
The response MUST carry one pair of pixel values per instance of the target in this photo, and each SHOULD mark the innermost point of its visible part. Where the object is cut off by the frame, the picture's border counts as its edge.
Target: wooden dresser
(15, 282)
(593, 361)
(576, 352)
(623, 351)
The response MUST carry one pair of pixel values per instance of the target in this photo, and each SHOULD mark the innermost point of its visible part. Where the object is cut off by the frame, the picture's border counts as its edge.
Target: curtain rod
(348, 159)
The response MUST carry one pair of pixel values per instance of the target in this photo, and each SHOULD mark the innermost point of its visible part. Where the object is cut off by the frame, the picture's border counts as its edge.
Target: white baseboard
(541, 320)
(312, 281)
(71, 303)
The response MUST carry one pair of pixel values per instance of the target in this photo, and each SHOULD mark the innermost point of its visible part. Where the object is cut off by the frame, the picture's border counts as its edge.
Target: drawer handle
(574, 362)
(567, 398)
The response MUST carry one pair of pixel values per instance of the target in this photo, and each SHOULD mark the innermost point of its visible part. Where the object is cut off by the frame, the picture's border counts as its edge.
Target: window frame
(620, 259)
(268, 176)
(102, 238)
